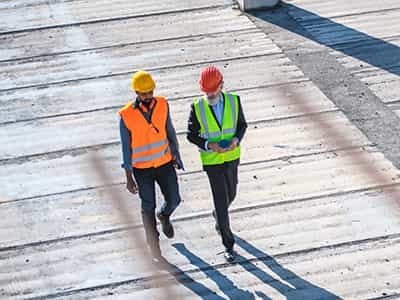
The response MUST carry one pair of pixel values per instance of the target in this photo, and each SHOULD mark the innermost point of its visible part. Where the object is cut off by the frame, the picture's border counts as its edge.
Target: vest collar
(139, 105)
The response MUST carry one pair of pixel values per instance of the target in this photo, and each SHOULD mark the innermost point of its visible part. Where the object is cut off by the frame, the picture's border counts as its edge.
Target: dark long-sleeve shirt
(126, 143)
(193, 133)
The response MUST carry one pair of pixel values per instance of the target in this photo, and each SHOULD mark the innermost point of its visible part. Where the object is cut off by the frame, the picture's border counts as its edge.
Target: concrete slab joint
(246, 5)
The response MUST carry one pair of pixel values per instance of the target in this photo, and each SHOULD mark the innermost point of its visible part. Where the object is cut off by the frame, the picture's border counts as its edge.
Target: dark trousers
(166, 178)
(223, 180)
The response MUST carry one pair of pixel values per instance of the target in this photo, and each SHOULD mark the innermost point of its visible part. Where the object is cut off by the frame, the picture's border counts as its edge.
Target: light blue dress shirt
(219, 112)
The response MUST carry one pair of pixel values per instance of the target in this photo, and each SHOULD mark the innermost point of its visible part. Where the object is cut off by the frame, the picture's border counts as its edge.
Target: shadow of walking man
(297, 288)
(289, 285)
(199, 289)
(224, 284)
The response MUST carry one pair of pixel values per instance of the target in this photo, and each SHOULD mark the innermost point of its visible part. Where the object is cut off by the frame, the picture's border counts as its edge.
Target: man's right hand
(131, 186)
(213, 146)
(130, 183)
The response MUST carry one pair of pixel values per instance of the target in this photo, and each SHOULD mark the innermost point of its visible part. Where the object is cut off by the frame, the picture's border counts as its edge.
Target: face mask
(147, 100)
(213, 100)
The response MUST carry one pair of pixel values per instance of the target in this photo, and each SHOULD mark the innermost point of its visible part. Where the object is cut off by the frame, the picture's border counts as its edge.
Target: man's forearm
(196, 140)
(240, 133)
(125, 146)
(242, 124)
(193, 131)
(172, 139)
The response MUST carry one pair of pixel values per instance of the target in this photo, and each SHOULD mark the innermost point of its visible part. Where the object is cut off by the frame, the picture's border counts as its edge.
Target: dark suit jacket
(194, 127)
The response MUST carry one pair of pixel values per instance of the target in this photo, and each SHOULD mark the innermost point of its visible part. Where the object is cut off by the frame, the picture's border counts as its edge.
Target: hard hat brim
(145, 91)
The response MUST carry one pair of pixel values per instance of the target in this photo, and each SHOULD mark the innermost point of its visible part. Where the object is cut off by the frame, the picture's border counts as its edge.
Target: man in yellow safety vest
(216, 126)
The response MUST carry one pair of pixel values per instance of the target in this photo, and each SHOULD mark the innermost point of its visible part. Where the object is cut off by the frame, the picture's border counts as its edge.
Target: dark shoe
(230, 256)
(167, 227)
(216, 222)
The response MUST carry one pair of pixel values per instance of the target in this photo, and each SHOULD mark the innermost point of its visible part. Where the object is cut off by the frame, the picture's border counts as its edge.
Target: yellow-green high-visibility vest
(210, 130)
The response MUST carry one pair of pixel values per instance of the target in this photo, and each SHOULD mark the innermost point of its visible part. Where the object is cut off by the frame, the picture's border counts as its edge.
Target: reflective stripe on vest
(149, 147)
(150, 157)
(218, 134)
(207, 134)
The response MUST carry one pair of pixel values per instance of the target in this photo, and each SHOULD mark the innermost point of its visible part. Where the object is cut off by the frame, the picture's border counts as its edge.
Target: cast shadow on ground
(289, 285)
(225, 285)
(292, 286)
(349, 41)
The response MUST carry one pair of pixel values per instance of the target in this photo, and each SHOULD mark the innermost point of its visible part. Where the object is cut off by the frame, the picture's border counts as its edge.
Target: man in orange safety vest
(150, 155)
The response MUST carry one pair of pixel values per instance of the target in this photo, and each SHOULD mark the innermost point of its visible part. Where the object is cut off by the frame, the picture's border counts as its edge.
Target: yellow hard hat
(142, 82)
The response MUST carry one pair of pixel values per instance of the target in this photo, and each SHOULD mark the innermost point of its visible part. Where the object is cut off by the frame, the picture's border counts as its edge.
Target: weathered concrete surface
(284, 179)
(127, 59)
(114, 91)
(320, 61)
(359, 34)
(59, 40)
(312, 224)
(76, 163)
(289, 228)
(85, 131)
(30, 15)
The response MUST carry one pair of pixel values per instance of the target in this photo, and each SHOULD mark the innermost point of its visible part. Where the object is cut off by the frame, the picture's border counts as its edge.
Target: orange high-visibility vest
(149, 143)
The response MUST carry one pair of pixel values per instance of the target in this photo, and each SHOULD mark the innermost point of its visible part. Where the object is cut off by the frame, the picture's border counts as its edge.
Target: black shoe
(167, 227)
(230, 256)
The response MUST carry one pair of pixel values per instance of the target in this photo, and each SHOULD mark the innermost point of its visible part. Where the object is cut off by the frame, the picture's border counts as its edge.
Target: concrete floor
(311, 223)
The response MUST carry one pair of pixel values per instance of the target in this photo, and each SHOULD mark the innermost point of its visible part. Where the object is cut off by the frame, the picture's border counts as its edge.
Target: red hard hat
(210, 79)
